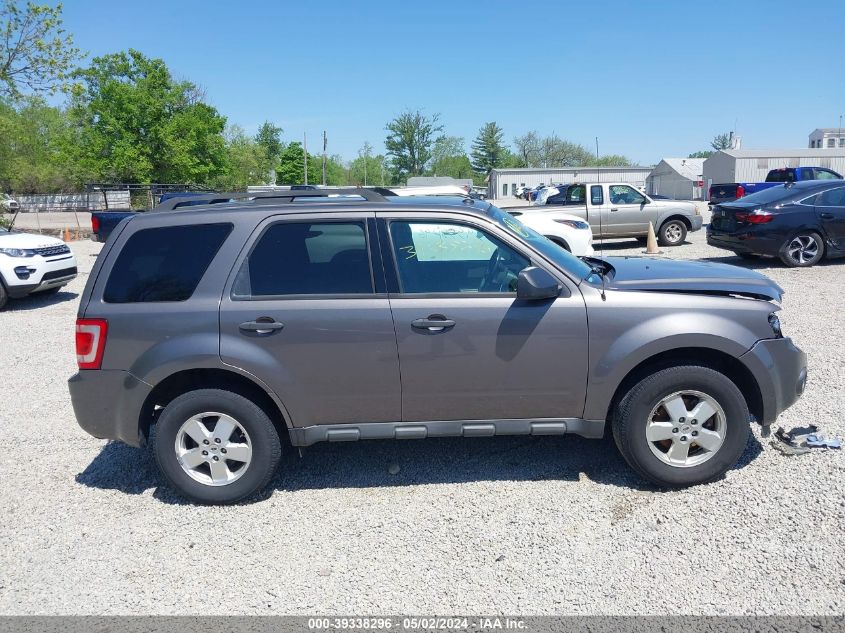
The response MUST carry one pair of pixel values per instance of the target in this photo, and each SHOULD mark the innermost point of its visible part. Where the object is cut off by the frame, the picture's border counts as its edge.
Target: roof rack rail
(285, 195)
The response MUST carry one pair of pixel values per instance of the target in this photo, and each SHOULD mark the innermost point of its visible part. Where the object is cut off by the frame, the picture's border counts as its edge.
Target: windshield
(563, 258)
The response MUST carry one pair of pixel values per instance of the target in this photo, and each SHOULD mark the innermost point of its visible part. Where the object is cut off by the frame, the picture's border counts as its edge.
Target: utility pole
(597, 148)
(324, 158)
(305, 155)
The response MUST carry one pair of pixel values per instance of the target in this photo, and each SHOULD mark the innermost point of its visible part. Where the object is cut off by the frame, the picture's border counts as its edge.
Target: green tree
(291, 169)
(611, 160)
(701, 154)
(269, 138)
(448, 158)
(336, 172)
(36, 54)
(31, 140)
(722, 141)
(246, 162)
(488, 151)
(134, 122)
(409, 142)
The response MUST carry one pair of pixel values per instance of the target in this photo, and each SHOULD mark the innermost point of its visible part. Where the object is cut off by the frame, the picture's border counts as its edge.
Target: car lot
(531, 525)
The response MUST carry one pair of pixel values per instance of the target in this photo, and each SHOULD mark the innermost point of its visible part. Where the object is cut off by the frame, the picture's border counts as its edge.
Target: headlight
(18, 252)
(575, 224)
(774, 321)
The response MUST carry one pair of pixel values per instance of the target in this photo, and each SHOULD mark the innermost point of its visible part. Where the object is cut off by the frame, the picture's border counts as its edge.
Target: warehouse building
(752, 165)
(503, 183)
(678, 178)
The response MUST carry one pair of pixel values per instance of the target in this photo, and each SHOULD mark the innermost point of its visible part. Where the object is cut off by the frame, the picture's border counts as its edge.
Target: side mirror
(534, 284)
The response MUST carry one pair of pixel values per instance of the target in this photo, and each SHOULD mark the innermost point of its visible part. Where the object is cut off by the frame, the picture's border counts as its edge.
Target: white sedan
(568, 231)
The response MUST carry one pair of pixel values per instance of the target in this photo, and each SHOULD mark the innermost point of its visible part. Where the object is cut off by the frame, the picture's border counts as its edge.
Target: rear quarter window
(164, 264)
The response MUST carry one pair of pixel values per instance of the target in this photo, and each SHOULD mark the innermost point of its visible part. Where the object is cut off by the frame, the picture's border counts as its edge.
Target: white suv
(33, 263)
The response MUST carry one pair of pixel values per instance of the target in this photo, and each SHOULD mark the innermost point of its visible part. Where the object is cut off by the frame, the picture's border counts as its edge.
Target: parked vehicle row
(620, 210)
(728, 192)
(798, 222)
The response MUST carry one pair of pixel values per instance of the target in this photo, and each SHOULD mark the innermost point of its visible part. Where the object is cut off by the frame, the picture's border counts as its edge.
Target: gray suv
(342, 315)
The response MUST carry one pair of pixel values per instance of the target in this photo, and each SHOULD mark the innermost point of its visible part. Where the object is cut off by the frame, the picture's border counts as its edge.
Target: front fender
(616, 347)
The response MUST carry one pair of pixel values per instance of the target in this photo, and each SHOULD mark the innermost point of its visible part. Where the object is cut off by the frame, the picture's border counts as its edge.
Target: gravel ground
(513, 525)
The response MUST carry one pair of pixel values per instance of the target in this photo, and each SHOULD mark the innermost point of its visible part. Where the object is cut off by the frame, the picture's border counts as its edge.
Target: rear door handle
(827, 216)
(434, 323)
(262, 325)
(614, 209)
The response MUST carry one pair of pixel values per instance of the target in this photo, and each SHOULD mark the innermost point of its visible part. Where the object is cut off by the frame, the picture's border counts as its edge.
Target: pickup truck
(728, 192)
(621, 210)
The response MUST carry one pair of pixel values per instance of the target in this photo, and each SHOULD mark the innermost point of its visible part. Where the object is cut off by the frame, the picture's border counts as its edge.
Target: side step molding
(306, 436)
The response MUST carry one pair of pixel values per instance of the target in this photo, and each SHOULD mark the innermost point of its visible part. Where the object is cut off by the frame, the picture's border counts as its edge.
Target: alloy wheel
(686, 428)
(803, 249)
(213, 448)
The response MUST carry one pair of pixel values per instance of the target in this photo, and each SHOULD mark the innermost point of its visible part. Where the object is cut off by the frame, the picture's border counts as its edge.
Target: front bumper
(108, 404)
(780, 369)
(26, 275)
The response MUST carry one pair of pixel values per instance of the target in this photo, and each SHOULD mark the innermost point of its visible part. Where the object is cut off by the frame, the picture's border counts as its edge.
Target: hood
(667, 275)
(14, 239)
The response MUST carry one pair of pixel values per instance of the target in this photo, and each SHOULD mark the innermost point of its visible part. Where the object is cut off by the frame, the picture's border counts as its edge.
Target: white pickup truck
(620, 210)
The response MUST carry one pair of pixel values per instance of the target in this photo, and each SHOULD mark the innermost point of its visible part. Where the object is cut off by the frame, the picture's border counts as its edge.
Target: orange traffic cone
(66, 236)
(651, 243)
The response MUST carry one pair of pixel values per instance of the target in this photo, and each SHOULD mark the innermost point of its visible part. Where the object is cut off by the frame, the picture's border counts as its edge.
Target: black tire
(795, 250)
(632, 416)
(4, 296)
(263, 438)
(672, 233)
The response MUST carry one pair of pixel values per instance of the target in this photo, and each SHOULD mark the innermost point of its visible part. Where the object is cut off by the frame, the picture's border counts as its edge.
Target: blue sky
(650, 79)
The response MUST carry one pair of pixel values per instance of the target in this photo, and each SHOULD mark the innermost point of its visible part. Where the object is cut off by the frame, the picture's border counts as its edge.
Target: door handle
(262, 325)
(614, 209)
(434, 323)
(827, 216)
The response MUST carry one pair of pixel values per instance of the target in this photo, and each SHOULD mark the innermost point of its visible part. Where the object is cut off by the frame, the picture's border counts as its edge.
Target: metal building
(503, 183)
(752, 165)
(678, 178)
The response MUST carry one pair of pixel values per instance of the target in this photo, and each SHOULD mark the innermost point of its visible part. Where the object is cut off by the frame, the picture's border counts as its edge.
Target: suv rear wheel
(215, 446)
(682, 426)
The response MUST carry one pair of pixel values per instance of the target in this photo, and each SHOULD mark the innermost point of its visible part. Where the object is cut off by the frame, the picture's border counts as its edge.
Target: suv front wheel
(216, 446)
(682, 426)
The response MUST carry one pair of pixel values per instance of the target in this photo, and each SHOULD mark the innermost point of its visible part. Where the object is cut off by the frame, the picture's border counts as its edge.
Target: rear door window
(164, 264)
(307, 258)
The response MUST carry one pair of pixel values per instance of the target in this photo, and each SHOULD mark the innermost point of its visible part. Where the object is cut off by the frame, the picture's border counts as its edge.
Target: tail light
(90, 342)
(755, 217)
(95, 224)
(740, 191)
